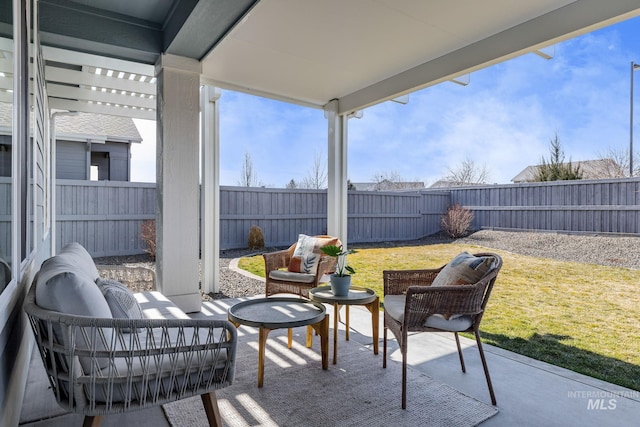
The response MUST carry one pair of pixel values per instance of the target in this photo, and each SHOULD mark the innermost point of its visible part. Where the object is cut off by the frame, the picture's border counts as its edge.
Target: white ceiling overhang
(96, 84)
(100, 53)
(362, 52)
(88, 83)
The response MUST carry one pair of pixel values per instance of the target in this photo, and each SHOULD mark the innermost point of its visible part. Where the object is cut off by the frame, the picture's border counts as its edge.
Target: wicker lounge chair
(278, 280)
(412, 304)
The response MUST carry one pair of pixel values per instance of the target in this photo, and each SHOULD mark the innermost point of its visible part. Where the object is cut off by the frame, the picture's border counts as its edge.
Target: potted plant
(341, 278)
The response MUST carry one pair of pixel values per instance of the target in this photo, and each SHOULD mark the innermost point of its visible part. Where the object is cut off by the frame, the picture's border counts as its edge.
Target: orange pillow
(307, 254)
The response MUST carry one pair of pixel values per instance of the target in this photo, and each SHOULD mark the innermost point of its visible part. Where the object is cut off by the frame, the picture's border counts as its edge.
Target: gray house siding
(5, 155)
(5, 220)
(71, 160)
(112, 160)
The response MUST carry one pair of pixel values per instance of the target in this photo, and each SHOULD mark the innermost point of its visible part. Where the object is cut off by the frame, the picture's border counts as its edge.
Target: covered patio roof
(334, 55)
(360, 52)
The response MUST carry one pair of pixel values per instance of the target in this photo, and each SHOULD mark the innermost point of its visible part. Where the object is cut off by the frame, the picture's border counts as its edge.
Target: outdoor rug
(356, 391)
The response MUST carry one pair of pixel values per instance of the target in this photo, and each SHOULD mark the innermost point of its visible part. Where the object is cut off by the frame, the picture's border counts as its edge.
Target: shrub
(148, 235)
(456, 221)
(256, 238)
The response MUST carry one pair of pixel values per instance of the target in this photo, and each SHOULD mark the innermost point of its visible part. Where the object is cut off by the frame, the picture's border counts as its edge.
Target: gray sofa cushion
(66, 283)
(120, 299)
(72, 293)
(73, 257)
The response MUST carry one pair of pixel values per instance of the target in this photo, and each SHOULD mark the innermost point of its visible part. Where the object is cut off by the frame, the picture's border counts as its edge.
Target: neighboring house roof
(84, 126)
(591, 169)
(443, 183)
(112, 128)
(386, 185)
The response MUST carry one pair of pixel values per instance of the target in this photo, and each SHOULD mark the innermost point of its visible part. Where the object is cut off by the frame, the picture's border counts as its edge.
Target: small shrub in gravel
(456, 221)
(148, 235)
(256, 238)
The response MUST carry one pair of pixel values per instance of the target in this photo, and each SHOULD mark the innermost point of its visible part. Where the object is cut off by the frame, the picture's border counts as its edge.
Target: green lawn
(578, 316)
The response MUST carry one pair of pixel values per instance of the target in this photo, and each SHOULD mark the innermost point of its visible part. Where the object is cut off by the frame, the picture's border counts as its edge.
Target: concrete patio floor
(529, 392)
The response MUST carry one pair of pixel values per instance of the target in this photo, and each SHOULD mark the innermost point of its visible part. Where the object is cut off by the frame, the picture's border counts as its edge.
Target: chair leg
(460, 352)
(486, 368)
(384, 347)
(211, 408)
(403, 349)
(92, 421)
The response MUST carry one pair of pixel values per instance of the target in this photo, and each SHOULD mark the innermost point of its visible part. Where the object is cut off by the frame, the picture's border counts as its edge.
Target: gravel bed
(617, 251)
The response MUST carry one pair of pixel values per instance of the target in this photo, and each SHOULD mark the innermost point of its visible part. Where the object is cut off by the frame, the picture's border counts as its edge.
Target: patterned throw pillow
(306, 256)
(122, 303)
(464, 269)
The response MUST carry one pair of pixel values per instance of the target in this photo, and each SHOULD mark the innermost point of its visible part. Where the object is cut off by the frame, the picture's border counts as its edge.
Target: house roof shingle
(111, 128)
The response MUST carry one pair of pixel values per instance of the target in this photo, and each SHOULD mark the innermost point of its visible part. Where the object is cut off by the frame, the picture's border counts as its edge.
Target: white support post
(177, 219)
(337, 175)
(210, 193)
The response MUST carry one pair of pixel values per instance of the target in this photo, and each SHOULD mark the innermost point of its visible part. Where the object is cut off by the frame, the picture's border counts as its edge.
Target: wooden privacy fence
(105, 216)
(583, 206)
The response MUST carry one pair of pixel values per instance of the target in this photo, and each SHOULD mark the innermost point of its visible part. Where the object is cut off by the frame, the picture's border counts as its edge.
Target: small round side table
(357, 296)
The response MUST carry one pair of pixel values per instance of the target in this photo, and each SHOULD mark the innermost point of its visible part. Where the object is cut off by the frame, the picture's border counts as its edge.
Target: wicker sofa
(107, 350)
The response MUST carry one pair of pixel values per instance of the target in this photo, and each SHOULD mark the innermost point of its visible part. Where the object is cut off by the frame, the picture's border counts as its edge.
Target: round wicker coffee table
(272, 313)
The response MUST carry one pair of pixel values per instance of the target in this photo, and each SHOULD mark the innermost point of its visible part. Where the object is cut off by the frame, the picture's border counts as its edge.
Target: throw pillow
(464, 269)
(307, 254)
(122, 303)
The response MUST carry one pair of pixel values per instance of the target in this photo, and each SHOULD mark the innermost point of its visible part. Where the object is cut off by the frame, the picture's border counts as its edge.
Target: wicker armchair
(99, 366)
(411, 302)
(278, 281)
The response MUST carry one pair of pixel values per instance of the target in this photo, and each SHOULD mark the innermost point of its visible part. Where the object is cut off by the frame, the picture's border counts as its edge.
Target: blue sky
(504, 118)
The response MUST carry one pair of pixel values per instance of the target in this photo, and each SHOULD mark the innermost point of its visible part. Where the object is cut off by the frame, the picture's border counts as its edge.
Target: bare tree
(317, 176)
(388, 177)
(468, 172)
(392, 180)
(615, 163)
(248, 177)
